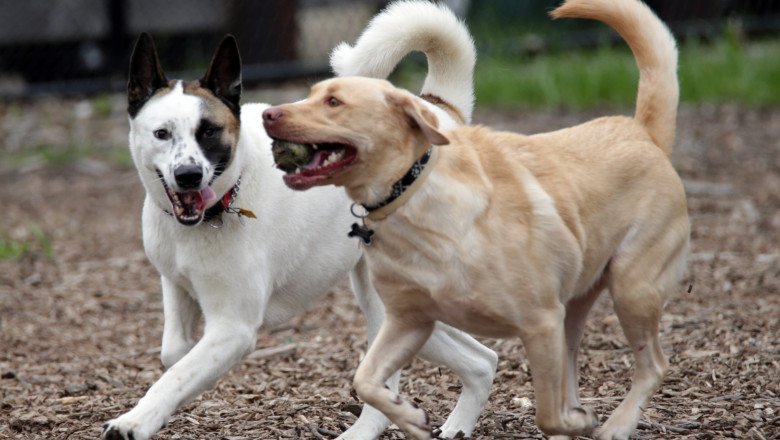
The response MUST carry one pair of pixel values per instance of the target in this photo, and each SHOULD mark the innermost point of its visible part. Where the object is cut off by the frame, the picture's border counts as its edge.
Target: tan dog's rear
(512, 234)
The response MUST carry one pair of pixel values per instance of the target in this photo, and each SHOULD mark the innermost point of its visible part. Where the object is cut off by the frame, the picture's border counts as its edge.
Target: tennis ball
(289, 155)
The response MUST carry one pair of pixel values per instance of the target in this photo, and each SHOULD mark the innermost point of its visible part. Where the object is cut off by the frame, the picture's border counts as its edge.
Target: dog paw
(447, 435)
(573, 422)
(119, 429)
(614, 432)
(112, 432)
(412, 419)
(582, 420)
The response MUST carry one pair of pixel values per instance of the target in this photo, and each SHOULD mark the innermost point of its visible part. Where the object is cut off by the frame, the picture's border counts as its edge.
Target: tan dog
(511, 234)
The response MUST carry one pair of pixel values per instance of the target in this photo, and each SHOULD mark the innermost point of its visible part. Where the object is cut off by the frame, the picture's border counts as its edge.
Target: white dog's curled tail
(655, 52)
(408, 26)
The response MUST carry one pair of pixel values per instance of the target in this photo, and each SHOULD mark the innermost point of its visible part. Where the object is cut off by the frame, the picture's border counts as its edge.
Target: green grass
(63, 156)
(35, 241)
(10, 248)
(744, 73)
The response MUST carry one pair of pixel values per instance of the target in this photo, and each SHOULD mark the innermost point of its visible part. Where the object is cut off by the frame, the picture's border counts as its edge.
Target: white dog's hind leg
(474, 364)
(182, 314)
(222, 346)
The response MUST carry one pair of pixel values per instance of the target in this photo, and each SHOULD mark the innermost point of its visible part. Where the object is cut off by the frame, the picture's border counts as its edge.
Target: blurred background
(83, 46)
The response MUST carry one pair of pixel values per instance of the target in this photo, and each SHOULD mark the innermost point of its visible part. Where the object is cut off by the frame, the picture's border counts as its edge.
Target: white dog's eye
(162, 134)
(333, 102)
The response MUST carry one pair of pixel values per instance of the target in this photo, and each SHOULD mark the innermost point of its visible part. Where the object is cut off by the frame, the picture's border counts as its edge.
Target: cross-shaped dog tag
(362, 232)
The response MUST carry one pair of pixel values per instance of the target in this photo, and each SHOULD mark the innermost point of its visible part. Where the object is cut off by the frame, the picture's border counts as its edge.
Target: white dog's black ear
(419, 116)
(224, 75)
(146, 75)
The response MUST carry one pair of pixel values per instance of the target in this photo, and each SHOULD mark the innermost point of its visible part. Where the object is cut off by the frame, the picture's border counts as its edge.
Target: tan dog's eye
(333, 102)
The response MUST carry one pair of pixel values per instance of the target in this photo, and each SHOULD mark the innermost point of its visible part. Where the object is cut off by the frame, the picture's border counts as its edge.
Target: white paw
(113, 431)
(119, 429)
(448, 434)
(460, 424)
(369, 426)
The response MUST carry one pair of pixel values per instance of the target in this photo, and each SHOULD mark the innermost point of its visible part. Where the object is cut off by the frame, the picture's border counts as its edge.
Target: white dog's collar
(213, 216)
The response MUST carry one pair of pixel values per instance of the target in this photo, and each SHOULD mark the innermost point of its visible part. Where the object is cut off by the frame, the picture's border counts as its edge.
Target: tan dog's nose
(272, 114)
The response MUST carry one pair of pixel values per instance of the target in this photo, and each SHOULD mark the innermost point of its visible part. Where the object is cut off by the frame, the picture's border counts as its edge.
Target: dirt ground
(81, 312)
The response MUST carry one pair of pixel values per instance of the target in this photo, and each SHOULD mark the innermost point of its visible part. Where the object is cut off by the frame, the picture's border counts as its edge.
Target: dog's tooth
(333, 158)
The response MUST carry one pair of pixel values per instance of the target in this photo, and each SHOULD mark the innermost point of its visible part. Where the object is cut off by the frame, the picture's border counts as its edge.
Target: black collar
(400, 192)
(401, 185)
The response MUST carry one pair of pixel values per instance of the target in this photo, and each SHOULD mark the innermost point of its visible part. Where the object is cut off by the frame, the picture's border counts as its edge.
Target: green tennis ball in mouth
(289, 156)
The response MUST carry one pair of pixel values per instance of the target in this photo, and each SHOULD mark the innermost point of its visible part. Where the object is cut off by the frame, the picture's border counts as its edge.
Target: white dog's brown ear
(420, 116)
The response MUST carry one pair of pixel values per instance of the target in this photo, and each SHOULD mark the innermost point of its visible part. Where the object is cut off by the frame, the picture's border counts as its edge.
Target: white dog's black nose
(188, 176)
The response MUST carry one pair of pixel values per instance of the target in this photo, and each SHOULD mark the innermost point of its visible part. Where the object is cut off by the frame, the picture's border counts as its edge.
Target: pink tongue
(319, 157)
(206, 195)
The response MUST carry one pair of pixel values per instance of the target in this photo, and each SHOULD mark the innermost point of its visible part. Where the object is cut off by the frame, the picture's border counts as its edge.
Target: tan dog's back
(589, 170)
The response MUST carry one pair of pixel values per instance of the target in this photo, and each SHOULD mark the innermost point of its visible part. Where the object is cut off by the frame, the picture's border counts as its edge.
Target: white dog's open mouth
(309, 164)
(188, 206)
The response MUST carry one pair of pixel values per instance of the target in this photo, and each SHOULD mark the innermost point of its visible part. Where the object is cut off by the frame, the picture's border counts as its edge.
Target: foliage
(61, 156)
(728, 70)
(34, 241)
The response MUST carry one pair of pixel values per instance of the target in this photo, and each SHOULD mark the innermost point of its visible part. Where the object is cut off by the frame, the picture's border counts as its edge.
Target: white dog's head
(183, 135)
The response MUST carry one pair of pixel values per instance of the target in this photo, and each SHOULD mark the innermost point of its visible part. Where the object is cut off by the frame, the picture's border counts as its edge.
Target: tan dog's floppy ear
(420, 116)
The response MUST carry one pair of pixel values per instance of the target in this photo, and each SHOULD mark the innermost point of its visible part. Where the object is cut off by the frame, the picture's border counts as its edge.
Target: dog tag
(362, 232)
(246, 213)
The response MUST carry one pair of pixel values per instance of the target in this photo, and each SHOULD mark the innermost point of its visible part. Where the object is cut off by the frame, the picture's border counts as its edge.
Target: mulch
(81, 313)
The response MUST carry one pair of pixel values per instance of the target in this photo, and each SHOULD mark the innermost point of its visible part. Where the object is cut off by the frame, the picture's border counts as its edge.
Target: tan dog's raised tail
(510, 234)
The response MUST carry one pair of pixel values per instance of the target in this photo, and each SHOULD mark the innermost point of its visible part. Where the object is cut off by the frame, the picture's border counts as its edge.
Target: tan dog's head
(365, 135)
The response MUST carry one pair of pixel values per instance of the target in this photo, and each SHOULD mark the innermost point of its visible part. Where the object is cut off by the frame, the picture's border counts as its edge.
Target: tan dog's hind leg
(576, 312)
(396, 344)
(545, 344)
(639, 285)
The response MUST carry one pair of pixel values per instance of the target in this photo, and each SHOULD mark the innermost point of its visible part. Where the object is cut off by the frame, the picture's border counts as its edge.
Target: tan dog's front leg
(397, 343)
(545, 344)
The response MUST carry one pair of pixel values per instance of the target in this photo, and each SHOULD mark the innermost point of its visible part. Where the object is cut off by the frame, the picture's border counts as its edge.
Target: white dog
(234, 245)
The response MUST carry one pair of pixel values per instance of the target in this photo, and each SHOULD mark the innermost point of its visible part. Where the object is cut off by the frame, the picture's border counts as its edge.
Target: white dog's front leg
(182, 314)
(221, 348)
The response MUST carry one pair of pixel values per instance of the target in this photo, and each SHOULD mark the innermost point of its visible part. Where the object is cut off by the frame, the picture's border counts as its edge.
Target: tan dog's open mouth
(308, 164)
